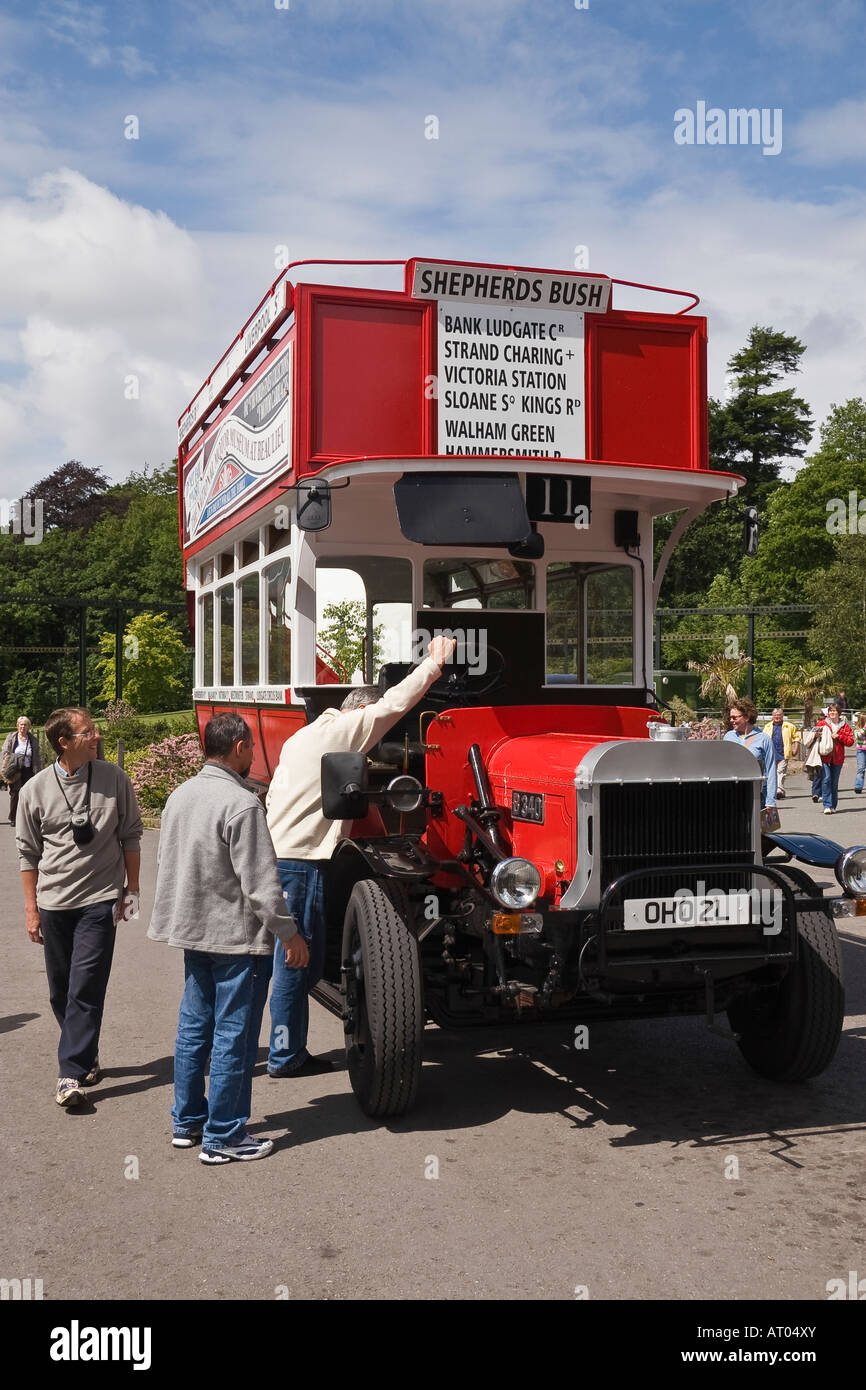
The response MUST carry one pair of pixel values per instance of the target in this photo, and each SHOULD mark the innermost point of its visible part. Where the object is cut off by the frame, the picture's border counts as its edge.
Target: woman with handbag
(19, 761)
(812, 765)
(860, 746)
(835, 737)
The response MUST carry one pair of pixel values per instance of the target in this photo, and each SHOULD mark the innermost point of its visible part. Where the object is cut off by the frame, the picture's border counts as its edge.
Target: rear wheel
(791, 1032)
(384, 998)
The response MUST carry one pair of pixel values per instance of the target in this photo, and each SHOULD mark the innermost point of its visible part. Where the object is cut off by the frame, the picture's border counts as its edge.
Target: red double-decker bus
(483, 452)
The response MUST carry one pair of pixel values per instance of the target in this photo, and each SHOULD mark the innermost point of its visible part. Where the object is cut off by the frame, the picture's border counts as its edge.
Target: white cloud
(825, 27)
(96, 291)
(81, 26)
(132, 63)
(834, 135)
(84, 28)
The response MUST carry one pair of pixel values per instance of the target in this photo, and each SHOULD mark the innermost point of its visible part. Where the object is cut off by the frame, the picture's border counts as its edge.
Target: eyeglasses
(88, 733)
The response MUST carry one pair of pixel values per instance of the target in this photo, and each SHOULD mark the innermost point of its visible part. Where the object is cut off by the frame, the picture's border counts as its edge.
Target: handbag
(825, 744)
(11, 769)
(812, 761)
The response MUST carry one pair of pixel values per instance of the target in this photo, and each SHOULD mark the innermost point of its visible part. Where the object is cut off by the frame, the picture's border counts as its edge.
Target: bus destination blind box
(462, 509)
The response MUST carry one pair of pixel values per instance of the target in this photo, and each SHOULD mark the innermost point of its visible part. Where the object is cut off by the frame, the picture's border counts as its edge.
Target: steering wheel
(453, 686)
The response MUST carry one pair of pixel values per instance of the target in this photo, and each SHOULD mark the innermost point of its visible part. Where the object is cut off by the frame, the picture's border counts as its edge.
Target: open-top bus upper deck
(484, 450)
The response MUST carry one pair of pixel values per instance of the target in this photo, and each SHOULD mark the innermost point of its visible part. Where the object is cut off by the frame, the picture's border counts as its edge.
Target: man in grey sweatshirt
(79, 840)
(218, 897)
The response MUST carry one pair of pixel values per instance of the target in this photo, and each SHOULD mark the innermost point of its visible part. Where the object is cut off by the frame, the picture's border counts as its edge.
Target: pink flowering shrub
(707, 728)
(158, 769)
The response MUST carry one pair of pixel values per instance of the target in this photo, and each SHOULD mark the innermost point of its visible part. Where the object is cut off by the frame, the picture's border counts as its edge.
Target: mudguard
(811, 849)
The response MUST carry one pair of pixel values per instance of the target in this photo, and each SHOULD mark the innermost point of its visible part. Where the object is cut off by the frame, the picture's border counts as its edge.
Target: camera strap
(86, 804)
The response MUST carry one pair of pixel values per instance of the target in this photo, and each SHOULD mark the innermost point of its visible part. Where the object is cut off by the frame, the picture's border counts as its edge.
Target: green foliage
(683, 712)
(344, 632)
(33, 693)
(104, 543)
(838, 634)
(153, 663)
(753, 433)
(760, 428)
(796, 542)
(722, 676)
(803, 684)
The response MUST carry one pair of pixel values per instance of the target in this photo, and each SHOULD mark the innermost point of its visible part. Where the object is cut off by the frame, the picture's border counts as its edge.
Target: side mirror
(314, 506)
(750, 531)
(344, 786)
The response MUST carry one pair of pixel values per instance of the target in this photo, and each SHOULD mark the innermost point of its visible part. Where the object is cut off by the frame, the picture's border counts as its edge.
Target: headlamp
(850, 871)
(515, 883)
(404, 793)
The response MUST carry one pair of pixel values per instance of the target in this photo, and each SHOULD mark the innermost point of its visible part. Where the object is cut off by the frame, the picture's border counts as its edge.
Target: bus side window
(226, 598)
(206, 610)
(278, 578)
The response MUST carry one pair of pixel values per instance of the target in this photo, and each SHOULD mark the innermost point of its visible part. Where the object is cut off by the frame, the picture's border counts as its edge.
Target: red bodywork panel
(271, 727)
(363, 356)
(646, 384)
(521, 754)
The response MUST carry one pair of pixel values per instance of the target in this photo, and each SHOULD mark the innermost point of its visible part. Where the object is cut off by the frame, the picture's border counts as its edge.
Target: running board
(330, 997)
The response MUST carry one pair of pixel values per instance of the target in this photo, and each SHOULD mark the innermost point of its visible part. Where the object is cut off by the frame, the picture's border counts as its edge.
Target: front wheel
(791, 1031)
(384, 998)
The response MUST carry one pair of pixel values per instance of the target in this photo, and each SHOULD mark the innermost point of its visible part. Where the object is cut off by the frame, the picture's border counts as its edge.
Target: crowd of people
(238, 889)
(822, 747)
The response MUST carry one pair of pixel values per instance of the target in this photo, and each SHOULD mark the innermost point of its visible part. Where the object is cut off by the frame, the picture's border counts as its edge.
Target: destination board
(510, 381)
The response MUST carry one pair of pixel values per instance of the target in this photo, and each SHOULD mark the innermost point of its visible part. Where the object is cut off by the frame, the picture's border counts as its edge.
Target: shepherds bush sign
(534, 289)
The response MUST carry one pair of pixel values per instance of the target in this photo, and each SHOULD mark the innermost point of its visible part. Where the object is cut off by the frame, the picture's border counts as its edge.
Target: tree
(752, 434)
(720, 672)
(344, 634)
(74, 496)
(761, 428)
(838, 635)
(154, 664)
(33, 693)
(803, 685)
(799, 535)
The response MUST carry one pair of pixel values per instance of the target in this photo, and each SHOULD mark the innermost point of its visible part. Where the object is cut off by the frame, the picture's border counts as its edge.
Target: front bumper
(751, 945)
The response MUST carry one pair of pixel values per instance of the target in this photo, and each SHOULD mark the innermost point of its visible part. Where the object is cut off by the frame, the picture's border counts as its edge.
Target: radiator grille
(673, 825)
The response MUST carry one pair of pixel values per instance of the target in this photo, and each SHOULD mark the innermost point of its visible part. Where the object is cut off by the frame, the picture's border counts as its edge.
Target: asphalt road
(608, 1169)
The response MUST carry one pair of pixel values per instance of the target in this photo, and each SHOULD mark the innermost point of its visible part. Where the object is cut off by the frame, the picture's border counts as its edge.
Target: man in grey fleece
(79, 840)
(218, 897)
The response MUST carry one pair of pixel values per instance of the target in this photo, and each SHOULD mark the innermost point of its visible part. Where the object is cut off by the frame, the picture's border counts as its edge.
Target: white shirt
(294, 800)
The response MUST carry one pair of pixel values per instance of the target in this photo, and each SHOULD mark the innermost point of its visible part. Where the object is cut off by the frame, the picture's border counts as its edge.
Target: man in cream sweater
(304, 840)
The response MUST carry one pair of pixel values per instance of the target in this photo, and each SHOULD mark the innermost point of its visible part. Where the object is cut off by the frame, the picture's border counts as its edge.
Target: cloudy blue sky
(304, 127)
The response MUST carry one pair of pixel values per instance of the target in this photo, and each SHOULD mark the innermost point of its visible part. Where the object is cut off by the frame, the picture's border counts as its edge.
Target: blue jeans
(830, 786)
(303, 890)
(861, 769)
(220, 1017)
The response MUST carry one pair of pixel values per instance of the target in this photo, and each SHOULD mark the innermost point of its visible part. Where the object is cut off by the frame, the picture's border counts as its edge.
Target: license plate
(528, 806)
(730, 909)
